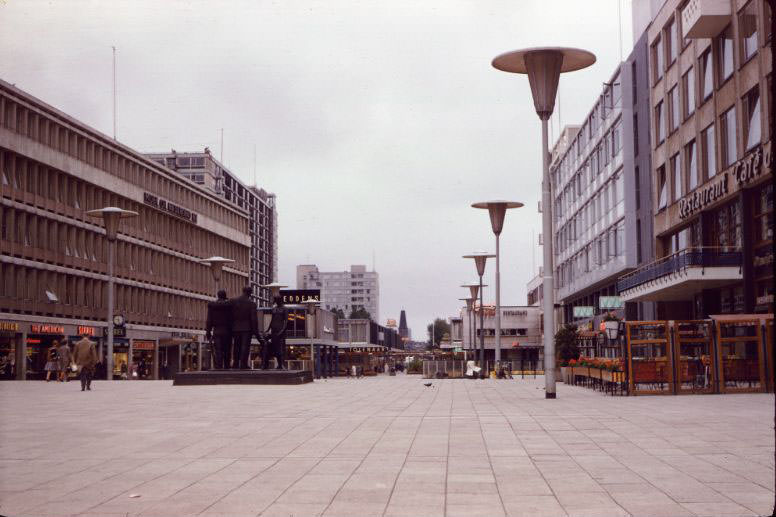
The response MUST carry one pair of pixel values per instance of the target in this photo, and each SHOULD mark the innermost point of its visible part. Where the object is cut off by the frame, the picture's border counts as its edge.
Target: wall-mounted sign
(584, 311)
(703, 196)
(117, 331)
(83, 330)
(300, 295)
(515, 313)
(165, 206)
(390, 323)
(610, 302)
(9, 326)
(753, 164)
(143, 345)
(47, 329)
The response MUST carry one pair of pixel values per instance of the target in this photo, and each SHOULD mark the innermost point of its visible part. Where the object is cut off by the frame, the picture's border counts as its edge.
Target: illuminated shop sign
(166, 206)
(47, 329)
(300, 295)
(85, 331)
(703, 196)
(9, 326)
(584, 311)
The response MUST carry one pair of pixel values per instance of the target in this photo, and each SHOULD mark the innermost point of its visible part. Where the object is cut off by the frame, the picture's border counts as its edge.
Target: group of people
(231, 324)
(60, 361)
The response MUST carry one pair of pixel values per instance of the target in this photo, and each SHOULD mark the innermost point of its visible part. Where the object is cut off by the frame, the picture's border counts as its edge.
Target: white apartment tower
(346, 290)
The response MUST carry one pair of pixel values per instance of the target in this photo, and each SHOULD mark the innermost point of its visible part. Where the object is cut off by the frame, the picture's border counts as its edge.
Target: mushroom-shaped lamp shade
(111, 215)
(497, 210)
(544, 66)
(480, 257)
(216, 265)
(275, 288)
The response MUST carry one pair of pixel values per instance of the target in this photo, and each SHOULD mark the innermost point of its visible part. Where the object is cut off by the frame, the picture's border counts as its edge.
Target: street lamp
(111, 216)
(480, 257)
(474, 289)
(311, 304)
(216, 266)
(544, 66)
(497, 211)
(274, 288)
(467, 338)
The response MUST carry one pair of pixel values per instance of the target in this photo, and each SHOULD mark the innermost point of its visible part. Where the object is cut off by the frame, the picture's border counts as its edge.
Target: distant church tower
(404, 332)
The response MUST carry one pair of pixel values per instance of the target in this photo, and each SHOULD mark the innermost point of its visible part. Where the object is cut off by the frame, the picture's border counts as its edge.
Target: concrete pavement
(384, 446)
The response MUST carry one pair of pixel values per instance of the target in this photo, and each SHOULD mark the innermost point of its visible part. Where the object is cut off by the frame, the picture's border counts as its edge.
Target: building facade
(599, 172)
(203, 169)
(521, 331)
(345, 290)
(53, 257)
(711, 110)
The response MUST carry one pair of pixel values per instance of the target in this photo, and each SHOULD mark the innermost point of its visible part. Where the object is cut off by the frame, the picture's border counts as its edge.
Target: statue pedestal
(210, 377)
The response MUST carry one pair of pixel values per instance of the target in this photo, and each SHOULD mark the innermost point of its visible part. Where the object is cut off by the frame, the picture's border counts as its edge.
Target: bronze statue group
(232, 323)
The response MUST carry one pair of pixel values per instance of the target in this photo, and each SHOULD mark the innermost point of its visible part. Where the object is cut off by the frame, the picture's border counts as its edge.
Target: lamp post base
(549, 395)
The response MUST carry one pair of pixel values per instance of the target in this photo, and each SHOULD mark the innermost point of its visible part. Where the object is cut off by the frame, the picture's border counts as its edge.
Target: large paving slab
(380, 446)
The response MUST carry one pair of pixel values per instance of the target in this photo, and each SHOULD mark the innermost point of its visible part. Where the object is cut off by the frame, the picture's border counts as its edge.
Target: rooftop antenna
(255, 180)
(114, 92)
(373, 260)
(222, 146)
(619, 24)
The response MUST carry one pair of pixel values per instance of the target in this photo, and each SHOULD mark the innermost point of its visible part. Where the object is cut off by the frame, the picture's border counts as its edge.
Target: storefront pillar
(130, 360)
(21, 356)
(156, 360)
(199, 356)
(747, 247)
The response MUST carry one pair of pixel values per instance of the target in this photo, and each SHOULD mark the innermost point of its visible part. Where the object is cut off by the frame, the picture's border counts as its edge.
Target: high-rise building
(600, 177)
(54, 257)
(203, 169)
(711, 110)
(345, 290)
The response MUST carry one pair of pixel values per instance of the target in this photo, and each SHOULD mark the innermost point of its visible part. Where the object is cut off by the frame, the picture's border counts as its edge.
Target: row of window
(585, 177)
(665, 49)
(685, 173)
(82, 146)
(19, 175)
(606, 247)
(40, 291)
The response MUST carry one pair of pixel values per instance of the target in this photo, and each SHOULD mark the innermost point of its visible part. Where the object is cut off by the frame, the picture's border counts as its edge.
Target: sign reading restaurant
(165, 206)
(743, 171)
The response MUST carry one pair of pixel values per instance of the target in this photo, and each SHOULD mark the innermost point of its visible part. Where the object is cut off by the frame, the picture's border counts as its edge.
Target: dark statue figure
(245, 325)
(275, 342)
(219, 326)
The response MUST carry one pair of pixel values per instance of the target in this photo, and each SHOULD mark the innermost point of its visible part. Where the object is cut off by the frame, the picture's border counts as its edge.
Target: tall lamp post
(111, 216)
(216, 267)
(497, 210)
(480, 257)
(474, 289)
(543, 65)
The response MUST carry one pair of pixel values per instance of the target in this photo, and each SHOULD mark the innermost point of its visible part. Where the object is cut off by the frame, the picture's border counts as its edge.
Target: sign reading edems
(300, 295)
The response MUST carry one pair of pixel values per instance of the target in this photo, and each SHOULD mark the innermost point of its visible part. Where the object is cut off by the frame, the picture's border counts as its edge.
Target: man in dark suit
(245, 324)
(276, 344)
(219, 327)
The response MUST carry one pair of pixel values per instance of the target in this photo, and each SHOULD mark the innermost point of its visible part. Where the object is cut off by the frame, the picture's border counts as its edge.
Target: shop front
(10, 344)
(143, 359)
(179, 353)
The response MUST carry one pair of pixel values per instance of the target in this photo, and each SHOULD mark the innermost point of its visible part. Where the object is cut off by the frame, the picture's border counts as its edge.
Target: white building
(521, 333)
(346, 290)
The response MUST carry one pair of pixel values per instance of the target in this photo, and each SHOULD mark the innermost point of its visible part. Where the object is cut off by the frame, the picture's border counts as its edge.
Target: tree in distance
(359, 314)
(338, 313)
(440, 328)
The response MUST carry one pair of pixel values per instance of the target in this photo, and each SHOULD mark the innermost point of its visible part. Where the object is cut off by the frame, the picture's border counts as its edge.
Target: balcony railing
(689, 257)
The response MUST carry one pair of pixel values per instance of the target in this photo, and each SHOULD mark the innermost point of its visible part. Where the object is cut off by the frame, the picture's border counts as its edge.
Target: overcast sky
(376, 123)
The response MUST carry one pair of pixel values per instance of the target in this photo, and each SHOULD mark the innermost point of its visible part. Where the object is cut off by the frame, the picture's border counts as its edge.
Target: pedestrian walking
(65, 358)
(85, 358)
(52, 365)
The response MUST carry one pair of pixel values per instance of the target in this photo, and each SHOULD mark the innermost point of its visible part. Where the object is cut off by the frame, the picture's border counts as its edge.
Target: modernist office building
(601, 213)
(346, 290)
(53, 257)
(203, 169)
(712, 121)
(521, 332)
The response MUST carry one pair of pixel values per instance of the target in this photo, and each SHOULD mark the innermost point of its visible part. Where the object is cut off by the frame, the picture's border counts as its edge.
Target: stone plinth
(210, 377)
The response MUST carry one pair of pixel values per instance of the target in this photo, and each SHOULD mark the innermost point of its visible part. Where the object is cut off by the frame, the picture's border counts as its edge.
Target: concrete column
(200, 356)
(21, 357)
(130, 360)
(156, 360)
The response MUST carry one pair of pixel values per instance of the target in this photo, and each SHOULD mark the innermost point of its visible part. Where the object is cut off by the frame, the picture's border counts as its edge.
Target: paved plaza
(380, 446)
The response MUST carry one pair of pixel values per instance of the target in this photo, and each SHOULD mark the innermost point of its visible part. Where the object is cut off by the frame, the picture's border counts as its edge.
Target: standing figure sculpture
(276, 344)
(245, 325)
(219, 328)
